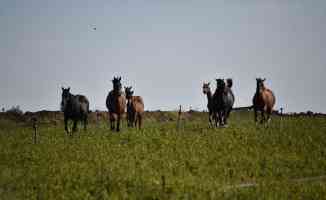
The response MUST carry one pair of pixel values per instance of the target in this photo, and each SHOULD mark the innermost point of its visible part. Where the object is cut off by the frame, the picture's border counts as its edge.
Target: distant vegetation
(160, 162)
(15, 110)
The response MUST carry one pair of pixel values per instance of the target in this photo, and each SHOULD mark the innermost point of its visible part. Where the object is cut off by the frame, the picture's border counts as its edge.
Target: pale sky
(164, 49)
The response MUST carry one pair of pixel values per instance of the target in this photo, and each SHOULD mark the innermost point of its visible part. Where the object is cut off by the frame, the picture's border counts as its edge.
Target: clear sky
(165, 49)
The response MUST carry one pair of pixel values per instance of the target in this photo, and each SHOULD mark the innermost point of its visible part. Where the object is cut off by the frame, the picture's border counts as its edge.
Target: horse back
(77, 108)
(223, 99)
(137, 104)
(269, 97)
(229, 99)
(83, 103)
(264, 100)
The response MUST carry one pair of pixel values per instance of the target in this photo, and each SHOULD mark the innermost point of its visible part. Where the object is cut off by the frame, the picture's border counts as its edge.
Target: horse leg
(66, 124)
(220, 118)
(112, 122)
(130, 122)
(269, 112)
(216, 118)
(118, 122)
(135, 120)
(226, 115)
(210, 118)
(262, 117)
(128, 119)
(74, 128)
(255, 113)
(140, 121)
(85, 123)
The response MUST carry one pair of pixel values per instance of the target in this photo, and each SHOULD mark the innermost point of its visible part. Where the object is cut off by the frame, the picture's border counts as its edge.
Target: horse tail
(229, 82)
(88, 110)
(87, 106)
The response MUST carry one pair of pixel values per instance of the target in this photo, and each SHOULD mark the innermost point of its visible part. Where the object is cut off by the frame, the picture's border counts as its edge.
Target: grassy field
(159, 162)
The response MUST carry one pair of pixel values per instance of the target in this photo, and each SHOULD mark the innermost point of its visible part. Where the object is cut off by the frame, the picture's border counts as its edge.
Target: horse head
(260, 84)
(229, 82)
(65, 97)
(129, 92)
(206, 88)
(117, 84)
(220, 84)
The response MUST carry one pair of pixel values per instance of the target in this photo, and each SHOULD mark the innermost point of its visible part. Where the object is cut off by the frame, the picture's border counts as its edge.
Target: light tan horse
(135, 108)
(263, 100)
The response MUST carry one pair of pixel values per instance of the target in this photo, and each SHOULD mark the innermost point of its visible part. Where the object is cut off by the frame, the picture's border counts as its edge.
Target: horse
(263, 100)
(223, 100)
(135, 108)
(210, 104)
(116, 104)
(75, 108)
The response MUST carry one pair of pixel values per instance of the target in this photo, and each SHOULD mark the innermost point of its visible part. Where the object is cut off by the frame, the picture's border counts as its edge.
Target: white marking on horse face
(206, 89)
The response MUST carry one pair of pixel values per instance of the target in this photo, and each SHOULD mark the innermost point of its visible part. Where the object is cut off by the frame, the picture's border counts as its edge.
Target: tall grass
(160, 162)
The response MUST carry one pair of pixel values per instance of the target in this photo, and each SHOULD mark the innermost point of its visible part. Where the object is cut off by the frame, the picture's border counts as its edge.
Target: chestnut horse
(135, 108)
(116, 104)
(210, 105)
(263, 100)
(223, 100)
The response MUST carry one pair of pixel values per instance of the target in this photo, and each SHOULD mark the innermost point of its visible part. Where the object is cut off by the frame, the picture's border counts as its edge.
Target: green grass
(160, 162)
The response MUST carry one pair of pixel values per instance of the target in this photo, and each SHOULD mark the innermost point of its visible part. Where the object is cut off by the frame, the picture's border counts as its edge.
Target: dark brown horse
(263, 100)
(116, 104)
(210, 105)
(135, 108)
(75, 108)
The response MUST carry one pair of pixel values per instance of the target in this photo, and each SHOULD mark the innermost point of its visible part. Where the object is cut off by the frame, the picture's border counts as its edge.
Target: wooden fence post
(179, 118)
(281, 118)
(34, 120)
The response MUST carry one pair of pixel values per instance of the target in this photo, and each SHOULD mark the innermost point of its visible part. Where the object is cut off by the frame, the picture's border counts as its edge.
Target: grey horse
(75, 108)
(223, 100)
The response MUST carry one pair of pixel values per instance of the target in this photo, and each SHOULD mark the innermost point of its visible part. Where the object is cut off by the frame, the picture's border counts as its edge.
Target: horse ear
(120, 78)
(68, 89)
(62, 88)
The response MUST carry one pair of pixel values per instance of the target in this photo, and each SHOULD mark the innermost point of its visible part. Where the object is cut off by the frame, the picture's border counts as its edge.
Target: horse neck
(209, 95)
(71, 97)
(260, 90)
(69, 104)
(129, 100)
(219, 91)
